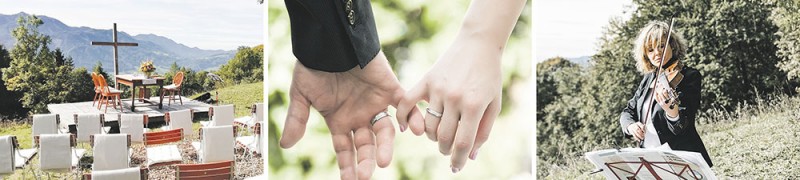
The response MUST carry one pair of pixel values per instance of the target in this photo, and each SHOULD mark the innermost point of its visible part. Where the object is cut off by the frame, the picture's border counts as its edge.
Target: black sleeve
(689, 94)
(629, 114)
(333, 35)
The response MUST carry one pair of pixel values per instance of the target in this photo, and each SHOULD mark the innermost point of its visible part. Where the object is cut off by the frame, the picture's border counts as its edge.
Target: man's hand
(348, 101)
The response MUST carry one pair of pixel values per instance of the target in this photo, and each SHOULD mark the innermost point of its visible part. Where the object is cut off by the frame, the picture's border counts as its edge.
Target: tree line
(34, 75)
(745, 50)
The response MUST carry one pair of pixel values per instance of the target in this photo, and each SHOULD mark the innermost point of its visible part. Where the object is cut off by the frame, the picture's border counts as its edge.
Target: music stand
(634, 163)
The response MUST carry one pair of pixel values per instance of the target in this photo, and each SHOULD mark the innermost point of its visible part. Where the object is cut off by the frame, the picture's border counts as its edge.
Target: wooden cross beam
(115, 43)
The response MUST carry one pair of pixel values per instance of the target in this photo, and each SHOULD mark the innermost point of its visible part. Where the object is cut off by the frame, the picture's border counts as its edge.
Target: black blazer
(681, 134)
(329, 35)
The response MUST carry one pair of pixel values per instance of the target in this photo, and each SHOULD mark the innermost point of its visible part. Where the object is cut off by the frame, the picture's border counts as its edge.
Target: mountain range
(75, 42)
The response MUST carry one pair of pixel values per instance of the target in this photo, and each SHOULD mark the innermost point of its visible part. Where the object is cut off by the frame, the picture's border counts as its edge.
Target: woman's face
(656, 55)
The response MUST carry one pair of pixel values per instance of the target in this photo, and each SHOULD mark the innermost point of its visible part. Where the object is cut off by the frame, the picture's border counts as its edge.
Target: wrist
(672, 115)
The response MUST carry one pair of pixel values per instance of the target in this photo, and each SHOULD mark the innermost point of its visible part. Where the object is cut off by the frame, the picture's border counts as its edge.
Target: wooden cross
(116, 56)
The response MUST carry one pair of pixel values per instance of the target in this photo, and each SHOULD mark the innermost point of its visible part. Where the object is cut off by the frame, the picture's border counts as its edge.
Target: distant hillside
(75, 42)
(583, 61)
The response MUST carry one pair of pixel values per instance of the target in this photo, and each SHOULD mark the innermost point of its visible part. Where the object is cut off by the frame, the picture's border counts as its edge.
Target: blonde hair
(651, 36)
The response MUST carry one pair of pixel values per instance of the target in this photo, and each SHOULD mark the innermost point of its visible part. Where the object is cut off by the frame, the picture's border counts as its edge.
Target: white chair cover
(217, 144)
(223, 116)
(181, 119)
(132, 124)
(88, 124)
(56, 152)
(162, 154)
(44, 124)
(110, 152)
(6, 155)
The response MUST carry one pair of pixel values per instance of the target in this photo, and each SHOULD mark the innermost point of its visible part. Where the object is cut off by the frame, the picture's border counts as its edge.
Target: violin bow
(658, 70)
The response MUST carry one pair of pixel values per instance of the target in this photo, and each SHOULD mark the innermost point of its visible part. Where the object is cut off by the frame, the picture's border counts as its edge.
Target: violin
(670, 79)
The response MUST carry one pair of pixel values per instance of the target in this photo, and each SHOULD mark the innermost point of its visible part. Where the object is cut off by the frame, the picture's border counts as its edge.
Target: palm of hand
(348, 101)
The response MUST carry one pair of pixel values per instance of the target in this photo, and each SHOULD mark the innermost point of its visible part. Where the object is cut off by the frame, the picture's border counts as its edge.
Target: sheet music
(624, 163)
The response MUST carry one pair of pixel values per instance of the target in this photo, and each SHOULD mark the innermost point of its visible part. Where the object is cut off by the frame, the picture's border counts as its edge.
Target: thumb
(296, 119)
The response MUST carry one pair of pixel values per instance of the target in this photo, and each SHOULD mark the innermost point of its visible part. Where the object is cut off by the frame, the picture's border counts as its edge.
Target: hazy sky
(206, 24)
(571, 28)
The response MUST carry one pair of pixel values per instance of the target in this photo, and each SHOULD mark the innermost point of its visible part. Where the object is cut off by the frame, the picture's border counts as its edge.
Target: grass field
(243, 97)
(756, 141)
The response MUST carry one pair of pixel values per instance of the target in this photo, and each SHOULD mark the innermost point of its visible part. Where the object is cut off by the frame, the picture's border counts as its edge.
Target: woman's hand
(662, 96)
(637, 130)
(348, 101)
(464, 92)
(464, 87)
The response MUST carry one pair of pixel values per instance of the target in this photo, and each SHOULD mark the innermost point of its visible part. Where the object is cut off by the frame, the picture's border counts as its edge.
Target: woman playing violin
(668, 117)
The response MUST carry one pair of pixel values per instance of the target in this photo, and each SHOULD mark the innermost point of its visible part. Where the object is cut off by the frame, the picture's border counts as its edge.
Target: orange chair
(97, 89)
(177, 81)
(108, 93)
(216, 170)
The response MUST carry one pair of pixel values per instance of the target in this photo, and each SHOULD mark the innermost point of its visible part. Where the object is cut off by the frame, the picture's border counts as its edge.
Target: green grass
(755, 141)
(243, 97)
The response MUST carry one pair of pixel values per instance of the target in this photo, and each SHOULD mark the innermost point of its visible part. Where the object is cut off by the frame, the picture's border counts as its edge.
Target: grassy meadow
(755, 141)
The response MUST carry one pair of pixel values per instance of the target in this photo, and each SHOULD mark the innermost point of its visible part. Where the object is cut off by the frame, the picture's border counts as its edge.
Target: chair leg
(180, 96)
(115, 102)
(162, 93)
(106, 110)
(100, 102)
(169, 101)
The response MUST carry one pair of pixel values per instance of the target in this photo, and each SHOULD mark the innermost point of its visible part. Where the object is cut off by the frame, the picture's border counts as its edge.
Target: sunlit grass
(754, 141)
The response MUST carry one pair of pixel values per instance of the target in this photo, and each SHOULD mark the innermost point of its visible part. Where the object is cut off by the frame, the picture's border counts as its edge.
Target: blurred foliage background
(413, 34)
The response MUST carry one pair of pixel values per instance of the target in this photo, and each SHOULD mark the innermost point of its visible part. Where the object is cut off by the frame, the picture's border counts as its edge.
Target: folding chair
(253, 125)
(134, 125)
(8, 147)
(253, 142)
(257, 115)
(220, 116)
(134, 173)
(57, 152)
(89, 124)
(111, 151)
(216, 144)
(163, 154)
(45, 124)
(181, 119)
(217, 170)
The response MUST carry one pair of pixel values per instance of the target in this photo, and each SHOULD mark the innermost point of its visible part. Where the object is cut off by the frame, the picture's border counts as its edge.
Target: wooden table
(139, 81)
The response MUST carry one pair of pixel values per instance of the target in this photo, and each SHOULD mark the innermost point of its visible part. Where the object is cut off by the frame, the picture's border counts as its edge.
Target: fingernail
(402, 128)
(455, 170)
(474, 154)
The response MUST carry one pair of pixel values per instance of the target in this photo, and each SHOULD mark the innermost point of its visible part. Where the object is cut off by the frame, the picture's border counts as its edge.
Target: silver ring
(434, 113)
(380, 116)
